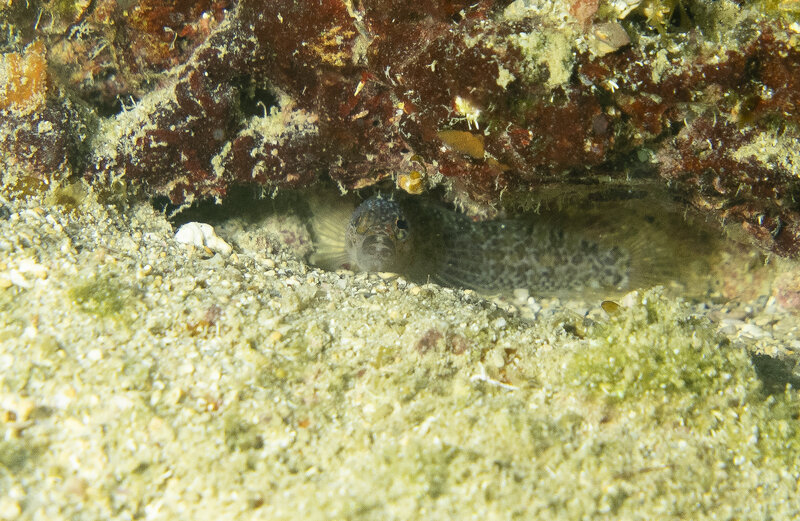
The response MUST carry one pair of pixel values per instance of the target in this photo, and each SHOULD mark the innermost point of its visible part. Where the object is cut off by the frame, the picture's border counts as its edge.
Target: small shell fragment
(610, 307)
(608, 37)
(202, 235)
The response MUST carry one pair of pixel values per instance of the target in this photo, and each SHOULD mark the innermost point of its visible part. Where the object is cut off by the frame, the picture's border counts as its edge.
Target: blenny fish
(427, 242)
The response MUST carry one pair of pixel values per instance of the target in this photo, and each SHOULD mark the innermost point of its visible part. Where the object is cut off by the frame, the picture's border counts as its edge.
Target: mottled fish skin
(500, 256)
(427, 242)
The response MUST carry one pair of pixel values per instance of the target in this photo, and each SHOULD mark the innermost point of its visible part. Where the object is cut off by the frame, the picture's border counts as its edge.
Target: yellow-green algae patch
(104, 296)
(673, 373)
(652, 352)
(254, 387)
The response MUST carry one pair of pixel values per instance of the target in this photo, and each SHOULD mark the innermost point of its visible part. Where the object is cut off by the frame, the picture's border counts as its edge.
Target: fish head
(378, 237)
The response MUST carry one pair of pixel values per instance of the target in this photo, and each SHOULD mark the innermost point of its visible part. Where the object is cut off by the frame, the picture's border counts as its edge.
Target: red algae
(213, 94)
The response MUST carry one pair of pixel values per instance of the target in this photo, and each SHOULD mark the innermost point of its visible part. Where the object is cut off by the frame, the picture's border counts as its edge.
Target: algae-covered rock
(495, 104)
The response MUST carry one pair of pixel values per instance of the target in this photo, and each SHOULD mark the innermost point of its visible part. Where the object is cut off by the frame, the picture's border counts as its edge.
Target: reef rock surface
(501, 104)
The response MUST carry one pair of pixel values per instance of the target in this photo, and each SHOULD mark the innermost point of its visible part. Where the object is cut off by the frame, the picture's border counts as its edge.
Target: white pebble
(18, 279)
(9, 509)
(752, 331)
(496, 358)
(630, 299)
(29, 266)
(521, 295)
(202, 234)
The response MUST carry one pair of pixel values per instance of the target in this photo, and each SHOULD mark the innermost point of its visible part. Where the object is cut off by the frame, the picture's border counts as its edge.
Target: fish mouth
(377, 253)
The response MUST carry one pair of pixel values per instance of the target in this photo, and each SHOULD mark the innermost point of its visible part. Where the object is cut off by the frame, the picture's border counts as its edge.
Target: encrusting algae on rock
(24, 79)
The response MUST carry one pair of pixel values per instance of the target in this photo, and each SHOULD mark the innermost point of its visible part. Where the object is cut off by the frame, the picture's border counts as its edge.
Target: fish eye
(401, 227)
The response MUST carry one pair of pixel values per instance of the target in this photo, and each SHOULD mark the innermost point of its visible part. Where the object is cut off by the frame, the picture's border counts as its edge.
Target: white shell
(202, 234)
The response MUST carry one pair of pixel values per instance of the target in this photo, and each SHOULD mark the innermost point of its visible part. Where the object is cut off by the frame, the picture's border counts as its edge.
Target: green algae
(14, 455)
(783, 9)
(777, 431)
(674, 369)
(104, 296)
(646, 353)
(240, 434)
(69, 193)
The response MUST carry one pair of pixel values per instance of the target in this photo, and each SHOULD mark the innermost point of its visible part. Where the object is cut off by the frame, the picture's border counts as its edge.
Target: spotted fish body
(426, 242)
(500, 256)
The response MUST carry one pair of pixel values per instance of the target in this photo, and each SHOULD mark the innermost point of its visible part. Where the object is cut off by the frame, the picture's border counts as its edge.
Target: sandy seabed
(144, 379)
